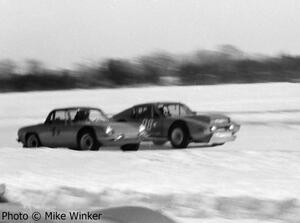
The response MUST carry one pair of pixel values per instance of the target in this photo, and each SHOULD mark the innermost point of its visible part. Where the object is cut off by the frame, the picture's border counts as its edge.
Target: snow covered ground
(254, 179)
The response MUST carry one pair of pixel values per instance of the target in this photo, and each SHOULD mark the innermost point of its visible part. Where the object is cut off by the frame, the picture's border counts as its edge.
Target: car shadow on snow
(145, 146)
(148, 146)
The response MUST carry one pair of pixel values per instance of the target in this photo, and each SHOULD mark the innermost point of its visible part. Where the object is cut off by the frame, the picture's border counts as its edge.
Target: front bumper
(119, 140)
(221, 137)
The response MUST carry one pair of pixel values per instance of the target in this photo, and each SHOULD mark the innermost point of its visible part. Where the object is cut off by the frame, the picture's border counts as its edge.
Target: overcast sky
(64, 32)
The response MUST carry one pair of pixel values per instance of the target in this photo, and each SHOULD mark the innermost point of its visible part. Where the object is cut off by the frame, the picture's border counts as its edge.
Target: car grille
(222, 121)
(223, 129)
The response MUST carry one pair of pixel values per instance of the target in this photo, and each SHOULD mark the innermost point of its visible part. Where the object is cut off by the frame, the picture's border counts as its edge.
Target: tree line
(223, 66)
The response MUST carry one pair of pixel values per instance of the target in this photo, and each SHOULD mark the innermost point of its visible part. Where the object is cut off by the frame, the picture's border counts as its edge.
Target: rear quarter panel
(122, 116)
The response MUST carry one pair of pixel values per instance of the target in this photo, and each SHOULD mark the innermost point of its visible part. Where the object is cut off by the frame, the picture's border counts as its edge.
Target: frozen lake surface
(253, 179)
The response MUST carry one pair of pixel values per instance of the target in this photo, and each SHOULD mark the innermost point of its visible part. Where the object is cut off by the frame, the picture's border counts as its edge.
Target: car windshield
(171, 110)
(92, 115)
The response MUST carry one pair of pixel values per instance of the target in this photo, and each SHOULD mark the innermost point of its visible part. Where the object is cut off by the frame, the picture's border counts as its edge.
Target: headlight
(142, 128)
(109, 130)
(231, 127)
(213, 128)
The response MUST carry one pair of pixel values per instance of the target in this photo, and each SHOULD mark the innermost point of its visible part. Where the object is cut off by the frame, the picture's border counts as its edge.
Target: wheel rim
(177, 136)
(33, 141)
(86, 142)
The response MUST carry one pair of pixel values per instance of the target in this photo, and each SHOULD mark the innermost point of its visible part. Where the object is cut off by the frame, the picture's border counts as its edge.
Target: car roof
(75, 108)
(159, 102)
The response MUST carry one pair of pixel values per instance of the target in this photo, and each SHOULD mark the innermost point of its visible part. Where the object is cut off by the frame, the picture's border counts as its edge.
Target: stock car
(175, 122)
(83, 128)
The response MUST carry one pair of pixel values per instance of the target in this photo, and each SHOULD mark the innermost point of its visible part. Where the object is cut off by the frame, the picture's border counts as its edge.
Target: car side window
(72, 114)
(164, 110)
(96, 115)
(81, 115)
(156, 114)
(173, 110)
(59, 116)
(133, 113)
(49, 118)
(141, 112)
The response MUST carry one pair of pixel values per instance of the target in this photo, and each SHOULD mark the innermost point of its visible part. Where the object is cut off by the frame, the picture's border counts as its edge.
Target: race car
(84, 128)
(175, 122)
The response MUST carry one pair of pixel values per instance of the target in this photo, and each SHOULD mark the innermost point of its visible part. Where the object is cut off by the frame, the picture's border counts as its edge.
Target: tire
(130, 147)
(88, 141)
(159, 142)
(179, 136)
(32, 141)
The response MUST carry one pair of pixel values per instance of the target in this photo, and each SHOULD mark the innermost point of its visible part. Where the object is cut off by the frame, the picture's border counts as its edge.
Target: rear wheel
(179, 136)
(32, 141)
(130, 147)
(88, 141)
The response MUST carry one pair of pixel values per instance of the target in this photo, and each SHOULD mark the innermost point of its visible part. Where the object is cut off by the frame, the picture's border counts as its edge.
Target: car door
(57, 130)
(157, 123)
(64, 128)
(141, 114)
(144, 114)
(47, 134)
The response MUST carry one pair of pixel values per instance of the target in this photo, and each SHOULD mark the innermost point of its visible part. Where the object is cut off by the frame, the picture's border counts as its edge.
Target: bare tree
(34, 66)
(7, 67)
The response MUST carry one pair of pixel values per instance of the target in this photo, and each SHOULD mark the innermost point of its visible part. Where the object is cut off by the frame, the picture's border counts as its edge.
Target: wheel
(88, 141)
(159, 142)
(130, 147)
(179, 136)
(32, 141)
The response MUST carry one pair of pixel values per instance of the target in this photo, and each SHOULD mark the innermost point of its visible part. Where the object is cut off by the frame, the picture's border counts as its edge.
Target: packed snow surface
(256, 177)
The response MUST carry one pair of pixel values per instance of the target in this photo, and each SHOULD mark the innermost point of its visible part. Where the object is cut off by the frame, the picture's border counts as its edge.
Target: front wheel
(130, 147)
(179, 136)
(87, 141)
(32, 141)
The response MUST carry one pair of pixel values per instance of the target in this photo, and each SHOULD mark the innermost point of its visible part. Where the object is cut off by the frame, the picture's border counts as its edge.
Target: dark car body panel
(199, 124)
(65, 134)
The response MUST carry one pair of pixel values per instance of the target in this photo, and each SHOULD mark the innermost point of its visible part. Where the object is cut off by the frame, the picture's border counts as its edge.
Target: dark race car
(175, 122)
(84, 128)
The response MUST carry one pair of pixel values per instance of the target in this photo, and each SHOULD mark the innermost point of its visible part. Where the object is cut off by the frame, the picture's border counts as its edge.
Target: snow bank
(240, 180)
(224, 98)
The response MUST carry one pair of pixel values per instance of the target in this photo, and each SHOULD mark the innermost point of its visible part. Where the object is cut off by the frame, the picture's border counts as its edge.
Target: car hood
(30, 127)
(120, 127)
(208, 118)
(124, 127)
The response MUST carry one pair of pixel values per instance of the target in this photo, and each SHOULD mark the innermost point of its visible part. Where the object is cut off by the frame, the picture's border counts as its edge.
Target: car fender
(180, 122)
(96, 130)
(197, 128)
(23, 133)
